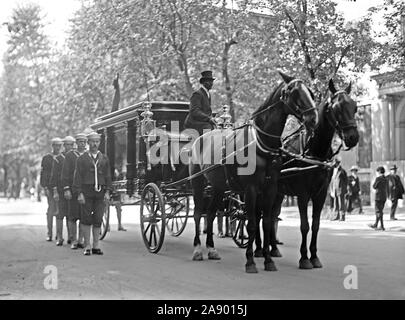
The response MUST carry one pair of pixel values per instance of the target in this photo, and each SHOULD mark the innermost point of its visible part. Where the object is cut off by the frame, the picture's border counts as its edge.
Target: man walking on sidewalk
(395, 190)
(381, 190)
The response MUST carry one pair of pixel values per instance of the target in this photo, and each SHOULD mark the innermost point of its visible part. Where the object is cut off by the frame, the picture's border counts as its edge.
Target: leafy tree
(391, 52)
(24, 121)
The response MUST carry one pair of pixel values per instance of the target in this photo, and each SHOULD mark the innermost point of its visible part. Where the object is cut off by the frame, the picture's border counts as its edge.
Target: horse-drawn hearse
(161, 188)
(147, 147)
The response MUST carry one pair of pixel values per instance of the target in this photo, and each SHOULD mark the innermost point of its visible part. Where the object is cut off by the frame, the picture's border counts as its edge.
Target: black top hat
(206, 75)
(380, 169)
(354, 168)
(393, 167)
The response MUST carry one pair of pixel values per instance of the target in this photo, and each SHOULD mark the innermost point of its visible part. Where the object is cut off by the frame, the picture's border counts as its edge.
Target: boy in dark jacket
(381, 186)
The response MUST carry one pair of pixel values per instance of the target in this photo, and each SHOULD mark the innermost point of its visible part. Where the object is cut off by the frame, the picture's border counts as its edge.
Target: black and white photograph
(202, 155)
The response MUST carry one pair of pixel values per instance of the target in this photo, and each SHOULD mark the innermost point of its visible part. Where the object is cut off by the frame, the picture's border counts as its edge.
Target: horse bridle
(331, 116)
(296, 111)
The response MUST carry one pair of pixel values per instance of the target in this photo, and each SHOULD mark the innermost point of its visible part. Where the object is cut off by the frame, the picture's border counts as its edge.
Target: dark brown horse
(336, 115)
(256, 159)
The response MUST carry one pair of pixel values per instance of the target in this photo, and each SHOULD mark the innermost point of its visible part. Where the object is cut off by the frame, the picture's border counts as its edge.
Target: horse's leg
(197, 254)
(217, 197)
(304, 262)
(250, 202)
(268, 226)
(198, 196)
(258, 239)
(275, 213)
(317, 204)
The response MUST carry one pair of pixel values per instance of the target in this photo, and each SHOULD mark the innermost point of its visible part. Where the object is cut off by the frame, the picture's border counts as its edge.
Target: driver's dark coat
(200, 111)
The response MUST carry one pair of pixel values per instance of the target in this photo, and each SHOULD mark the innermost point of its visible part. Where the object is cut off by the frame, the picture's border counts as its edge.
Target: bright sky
(357, 8)
(58, 12)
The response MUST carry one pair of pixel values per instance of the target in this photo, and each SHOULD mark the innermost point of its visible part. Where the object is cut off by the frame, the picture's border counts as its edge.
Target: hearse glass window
(120, 154)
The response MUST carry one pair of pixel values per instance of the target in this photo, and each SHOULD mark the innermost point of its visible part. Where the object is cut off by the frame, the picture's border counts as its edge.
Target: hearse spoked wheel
(153, 217)
(105, 224)
(177, 210)
(238, 220)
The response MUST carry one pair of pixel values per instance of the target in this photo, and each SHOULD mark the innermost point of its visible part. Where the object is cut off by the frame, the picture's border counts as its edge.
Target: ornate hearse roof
(133, 112)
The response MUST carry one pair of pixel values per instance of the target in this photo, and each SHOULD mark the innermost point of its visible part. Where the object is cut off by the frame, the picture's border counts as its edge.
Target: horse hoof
(305, 264)
(316, 263)
(270, 266)
(275, 253)
(213, 255)
(259, 253)
(251, 268)
(197, 256)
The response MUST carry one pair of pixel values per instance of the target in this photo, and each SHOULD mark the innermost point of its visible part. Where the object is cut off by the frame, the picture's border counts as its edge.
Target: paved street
(128, 271)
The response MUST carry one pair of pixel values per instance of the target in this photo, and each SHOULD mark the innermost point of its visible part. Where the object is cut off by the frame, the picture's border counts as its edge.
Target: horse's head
(299, 102)
(341, 114)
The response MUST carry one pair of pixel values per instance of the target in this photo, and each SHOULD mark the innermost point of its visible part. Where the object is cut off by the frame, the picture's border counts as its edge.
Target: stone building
(382, 131)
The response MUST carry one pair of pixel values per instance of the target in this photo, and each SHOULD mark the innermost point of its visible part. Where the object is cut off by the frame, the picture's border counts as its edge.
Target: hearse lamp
(226, 117)
(148, 125)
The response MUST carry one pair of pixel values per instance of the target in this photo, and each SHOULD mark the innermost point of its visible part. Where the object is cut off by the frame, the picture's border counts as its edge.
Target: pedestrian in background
(9, 189)
(117, 201)
(395, 190)
(339, 190)
(381, 186)
(354, 191)
(23, 188)
(16, 189)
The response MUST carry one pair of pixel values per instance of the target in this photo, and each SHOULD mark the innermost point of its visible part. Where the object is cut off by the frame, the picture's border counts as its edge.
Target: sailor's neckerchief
(78, 153)
(97, 188)
(62, 154)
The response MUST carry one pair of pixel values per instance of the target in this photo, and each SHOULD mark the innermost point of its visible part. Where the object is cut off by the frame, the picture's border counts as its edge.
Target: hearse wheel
(238, 220)
(153, 217)
(177, 210)
(105, 224)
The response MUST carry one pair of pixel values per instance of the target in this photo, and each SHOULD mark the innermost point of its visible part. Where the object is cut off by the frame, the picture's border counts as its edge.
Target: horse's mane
(314, 140)
(321, 111)
(269, 100)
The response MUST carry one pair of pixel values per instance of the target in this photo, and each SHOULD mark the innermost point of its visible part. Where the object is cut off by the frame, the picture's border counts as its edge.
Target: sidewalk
(352, 221)
(28, 212)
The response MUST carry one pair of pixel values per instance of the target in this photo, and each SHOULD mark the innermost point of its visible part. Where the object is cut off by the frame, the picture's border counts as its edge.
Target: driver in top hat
(200, 116)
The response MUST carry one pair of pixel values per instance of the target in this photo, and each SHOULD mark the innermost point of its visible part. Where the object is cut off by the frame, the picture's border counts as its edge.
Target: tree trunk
(187, 82)
(18, 165)
(227, 82)
(5, 169)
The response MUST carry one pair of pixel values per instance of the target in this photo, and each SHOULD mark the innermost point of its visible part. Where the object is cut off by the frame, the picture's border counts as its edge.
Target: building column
(392, 111)
(386, 132)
